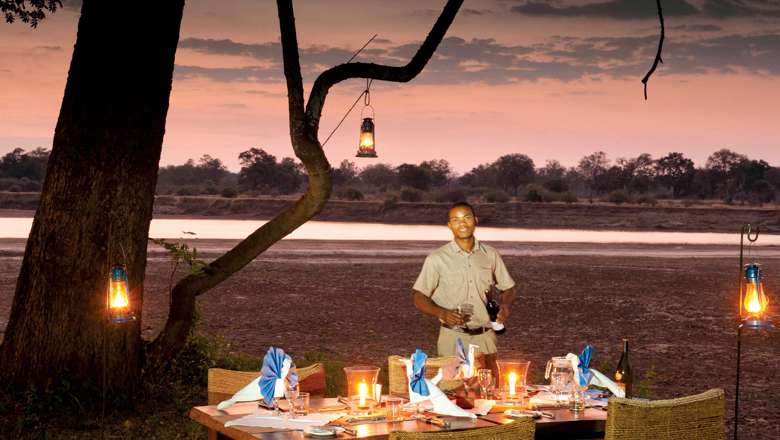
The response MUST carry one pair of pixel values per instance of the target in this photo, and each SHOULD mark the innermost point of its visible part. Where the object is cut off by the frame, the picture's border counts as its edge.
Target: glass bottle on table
(624, 377)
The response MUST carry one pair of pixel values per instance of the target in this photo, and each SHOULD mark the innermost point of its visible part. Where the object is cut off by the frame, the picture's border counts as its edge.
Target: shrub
(389, 203)
(350, 194)
(617, 197)
(646, 199)
(451, 196)
(187, 191)
(496, 196)
(534, 194)
(570, 197)
(411, 195)
(228, 192)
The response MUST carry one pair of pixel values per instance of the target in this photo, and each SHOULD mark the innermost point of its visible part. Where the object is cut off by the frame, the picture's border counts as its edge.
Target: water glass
(291, 394)
(393, 406)
(301, 403)
(466, 310)
(578, 397)
(485, 380)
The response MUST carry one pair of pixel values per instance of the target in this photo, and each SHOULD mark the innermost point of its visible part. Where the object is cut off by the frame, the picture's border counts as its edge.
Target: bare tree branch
(303, 134)
(660, 49)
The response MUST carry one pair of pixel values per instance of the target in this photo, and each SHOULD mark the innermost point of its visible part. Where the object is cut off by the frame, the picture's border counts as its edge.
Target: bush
(350, 194)
(570, 197)
(496, 196)
(229, 192)
(391, 202)
(618, 197)
(411, 195)
(187, 191)
(646, 199)
(534, 194)
(451, 196)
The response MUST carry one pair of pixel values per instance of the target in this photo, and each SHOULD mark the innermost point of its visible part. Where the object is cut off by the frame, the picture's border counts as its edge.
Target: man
(462, 272)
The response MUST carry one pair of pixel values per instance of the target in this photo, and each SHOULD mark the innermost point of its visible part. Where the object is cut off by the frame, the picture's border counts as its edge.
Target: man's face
(462, 222)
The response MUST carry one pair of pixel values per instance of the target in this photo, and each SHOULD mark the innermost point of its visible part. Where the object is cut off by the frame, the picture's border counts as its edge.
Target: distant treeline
(726, 175)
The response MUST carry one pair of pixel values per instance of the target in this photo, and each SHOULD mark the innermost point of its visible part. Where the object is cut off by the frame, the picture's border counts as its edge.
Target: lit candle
(362, 393)
(512, 383)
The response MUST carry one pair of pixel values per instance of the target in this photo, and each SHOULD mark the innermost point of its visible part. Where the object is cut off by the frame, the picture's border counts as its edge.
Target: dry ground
(352, 302)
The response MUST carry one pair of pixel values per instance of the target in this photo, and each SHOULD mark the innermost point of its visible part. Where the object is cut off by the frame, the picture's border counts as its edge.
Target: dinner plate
(323, 431)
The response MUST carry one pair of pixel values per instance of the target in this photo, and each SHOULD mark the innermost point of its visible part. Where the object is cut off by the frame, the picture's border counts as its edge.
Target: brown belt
(468, 331)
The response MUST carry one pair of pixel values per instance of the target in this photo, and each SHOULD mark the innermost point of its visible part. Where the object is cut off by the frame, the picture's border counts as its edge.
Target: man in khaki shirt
(462, 272)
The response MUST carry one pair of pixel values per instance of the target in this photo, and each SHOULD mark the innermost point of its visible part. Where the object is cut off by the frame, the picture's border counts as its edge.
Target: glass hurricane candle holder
(360, 388)
(512, 376)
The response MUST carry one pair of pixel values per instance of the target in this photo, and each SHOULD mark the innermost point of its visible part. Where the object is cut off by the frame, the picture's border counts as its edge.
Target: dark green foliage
(260, 171)
(449, 195)
(496, 196)
(229, 192)
(19, 164)
(534, 194)
(414, 176)
(350, 194)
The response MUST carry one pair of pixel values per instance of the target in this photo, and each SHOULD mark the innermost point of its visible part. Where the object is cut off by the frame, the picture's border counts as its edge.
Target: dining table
(558, 423)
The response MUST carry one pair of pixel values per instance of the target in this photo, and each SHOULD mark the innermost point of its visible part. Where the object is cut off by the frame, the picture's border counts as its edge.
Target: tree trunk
(96, 203)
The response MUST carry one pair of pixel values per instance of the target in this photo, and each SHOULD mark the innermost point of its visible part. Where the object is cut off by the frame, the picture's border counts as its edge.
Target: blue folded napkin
(460, 352)
(277, 366)
(417, 378)
(585, 356)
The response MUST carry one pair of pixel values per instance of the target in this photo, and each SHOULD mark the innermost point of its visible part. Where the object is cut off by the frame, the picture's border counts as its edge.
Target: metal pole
(736, 394)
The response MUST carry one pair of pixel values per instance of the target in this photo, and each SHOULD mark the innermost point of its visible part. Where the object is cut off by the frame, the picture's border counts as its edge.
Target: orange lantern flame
(118, 295)
(755, 300)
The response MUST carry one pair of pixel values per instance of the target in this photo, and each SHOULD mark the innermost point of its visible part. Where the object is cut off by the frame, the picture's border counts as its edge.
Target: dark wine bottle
(493, 307)
(623, 375)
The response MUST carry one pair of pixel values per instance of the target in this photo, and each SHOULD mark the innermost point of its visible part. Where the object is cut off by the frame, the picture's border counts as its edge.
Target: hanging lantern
(753, 300)
(367, 145)
(118, 296)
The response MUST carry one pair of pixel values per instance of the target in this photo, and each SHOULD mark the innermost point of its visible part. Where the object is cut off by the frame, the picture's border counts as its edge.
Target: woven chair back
(521, 429)
(700, 417)
(222, 384)
(399, 384)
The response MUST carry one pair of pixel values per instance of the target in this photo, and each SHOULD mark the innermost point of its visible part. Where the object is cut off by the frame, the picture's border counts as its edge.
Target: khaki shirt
(451, 276)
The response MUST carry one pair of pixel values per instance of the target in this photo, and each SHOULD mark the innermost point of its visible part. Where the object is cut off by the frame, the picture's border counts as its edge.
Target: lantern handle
(749, 231)
(363, 112)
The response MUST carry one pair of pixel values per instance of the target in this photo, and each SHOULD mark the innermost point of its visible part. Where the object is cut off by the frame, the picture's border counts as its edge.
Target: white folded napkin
(482, 407)
(267, 419)
(441, 404)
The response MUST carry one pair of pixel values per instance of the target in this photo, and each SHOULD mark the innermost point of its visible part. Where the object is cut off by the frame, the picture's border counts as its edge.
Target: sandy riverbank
(677, 312)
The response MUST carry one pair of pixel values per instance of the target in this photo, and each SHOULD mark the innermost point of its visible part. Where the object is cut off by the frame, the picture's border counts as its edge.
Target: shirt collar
(457, 249)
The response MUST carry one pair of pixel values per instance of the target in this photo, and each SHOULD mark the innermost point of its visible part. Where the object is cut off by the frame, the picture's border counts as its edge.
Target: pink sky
(534, 88)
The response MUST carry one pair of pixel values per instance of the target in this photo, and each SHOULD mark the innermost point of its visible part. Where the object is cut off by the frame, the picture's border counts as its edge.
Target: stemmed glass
(466, 310)
(485, 379)
(291, 394)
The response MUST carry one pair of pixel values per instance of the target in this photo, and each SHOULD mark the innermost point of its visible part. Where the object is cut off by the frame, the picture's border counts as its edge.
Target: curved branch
(660, 49)
(335, 75)
(303, 134)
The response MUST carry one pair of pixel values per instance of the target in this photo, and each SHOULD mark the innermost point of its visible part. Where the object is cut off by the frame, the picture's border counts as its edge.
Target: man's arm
(428, 307)
(507, 298)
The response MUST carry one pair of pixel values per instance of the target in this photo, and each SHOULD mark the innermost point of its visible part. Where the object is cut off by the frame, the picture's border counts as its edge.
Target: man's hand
(451, 317)
(503, 314)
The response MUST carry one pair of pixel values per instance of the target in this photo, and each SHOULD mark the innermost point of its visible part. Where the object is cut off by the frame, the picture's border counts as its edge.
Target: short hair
(462, 205)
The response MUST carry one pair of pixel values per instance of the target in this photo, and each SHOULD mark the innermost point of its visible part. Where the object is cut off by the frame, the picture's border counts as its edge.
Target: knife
(437, 421)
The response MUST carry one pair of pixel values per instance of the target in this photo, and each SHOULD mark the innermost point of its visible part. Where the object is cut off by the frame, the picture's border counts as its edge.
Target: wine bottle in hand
(493, 307)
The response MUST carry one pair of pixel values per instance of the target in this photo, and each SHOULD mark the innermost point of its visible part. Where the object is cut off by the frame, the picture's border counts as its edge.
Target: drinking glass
(291, 394)
(485, 379)
(466, 310)
(393, 406)
(301, 404)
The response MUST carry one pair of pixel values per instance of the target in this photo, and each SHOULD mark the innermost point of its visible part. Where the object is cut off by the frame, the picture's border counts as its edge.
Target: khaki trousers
(448, 337)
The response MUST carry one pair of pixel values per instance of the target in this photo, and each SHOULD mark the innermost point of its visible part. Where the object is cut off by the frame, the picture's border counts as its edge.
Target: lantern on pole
(119, 296)
(367, 144)
(753, 303)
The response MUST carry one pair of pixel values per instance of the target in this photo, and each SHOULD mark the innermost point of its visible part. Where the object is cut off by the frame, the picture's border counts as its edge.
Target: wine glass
(485, 379)
(291, 394)
(466, 310)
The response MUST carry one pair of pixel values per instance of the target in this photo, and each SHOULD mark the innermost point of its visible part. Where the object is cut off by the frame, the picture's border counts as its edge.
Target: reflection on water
(316, 230)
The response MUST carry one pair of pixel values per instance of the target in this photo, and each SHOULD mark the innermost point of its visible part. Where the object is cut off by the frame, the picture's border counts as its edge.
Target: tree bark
(304, 128)
(96, 202)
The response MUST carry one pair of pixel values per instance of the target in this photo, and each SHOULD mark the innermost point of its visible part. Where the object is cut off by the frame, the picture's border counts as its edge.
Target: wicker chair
(520, 429)
(222, 384)
(699, 417)
(399, 384)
